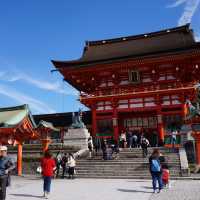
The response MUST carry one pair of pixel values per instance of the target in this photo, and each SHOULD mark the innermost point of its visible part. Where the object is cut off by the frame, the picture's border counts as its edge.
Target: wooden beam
(141, 94)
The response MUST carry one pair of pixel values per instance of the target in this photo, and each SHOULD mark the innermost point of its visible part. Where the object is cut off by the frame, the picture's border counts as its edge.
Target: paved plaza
(89, 189)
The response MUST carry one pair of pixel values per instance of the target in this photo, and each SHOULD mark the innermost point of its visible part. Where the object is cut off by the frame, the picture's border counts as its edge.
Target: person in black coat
(63, 164)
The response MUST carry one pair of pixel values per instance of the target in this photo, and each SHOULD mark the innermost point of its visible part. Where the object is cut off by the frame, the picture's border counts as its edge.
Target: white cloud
(35, 104)
(189, 10)
(42, 84)
(177, 3)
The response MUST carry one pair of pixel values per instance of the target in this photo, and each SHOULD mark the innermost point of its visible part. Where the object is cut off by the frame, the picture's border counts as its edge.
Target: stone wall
(32, 154)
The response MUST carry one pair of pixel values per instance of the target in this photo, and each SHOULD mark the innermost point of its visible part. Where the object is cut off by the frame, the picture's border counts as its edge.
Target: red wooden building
(137, 82)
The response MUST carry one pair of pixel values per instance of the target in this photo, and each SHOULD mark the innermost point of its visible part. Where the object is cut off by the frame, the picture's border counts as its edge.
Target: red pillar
(19, 159)
(45, 144)
(161, 132)
(115, 124)
(185, 111)
(94, 121)
(196, 136)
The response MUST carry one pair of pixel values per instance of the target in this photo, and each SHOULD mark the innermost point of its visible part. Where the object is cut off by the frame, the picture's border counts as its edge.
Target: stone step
(139, 156)
(134, 158)
(128, 164)
(141, 172)
(131, 160)
(122, 170)
(149, 150)
(140, 150)
(116, 167)
(116, 175)
(121, 175)
(161, 149)
(140, 153)
(98, 171)
(110, 162)
(148, 177)
(130, 155)
(122, 166)
(112, 177)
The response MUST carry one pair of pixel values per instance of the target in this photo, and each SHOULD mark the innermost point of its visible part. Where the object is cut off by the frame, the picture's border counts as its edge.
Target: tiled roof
(131, 46)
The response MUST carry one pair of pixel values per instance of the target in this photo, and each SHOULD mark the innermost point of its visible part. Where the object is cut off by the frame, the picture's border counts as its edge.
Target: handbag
(39, 170)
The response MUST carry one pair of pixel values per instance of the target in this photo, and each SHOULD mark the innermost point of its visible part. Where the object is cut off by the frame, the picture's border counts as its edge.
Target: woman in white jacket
(71, 164)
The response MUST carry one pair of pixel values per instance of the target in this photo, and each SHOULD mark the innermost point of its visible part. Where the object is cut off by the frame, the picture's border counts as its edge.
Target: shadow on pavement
(139, 181)
(140, 191)
(147, 187)
(27, 195)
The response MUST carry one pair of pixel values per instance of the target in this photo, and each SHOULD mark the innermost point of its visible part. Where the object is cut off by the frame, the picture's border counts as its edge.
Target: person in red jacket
(48, 165)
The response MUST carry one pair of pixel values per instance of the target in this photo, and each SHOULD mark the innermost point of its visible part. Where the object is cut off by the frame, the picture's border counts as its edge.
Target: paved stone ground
(180, 190)
(81, 189)
(89, 189)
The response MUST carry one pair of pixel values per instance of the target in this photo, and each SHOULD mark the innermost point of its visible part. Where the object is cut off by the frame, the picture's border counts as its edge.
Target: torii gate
(17, 125)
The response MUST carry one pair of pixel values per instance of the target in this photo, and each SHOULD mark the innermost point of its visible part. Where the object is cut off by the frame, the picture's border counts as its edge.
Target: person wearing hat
(6, 165)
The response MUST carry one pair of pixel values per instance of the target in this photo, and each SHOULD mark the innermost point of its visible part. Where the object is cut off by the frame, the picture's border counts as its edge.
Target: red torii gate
(17, 125)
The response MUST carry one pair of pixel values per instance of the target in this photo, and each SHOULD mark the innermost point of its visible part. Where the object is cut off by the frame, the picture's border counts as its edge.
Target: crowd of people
(158, 166)
(65, 164)
(133, 140)
(110, 148)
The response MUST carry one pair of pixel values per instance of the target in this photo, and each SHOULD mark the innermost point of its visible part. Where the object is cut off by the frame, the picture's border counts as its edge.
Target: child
(165, 175)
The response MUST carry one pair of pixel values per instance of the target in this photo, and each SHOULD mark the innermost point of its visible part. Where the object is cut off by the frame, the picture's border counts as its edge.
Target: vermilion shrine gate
(17, 126)
(138, 82)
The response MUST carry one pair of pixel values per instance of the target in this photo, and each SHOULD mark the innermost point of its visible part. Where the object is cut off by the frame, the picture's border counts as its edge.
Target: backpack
(155, 165)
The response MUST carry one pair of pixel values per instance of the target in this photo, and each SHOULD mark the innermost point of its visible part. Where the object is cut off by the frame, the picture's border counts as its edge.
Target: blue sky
(35, 31)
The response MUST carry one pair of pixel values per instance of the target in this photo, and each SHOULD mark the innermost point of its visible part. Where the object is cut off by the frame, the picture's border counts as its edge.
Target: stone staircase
(129, 164)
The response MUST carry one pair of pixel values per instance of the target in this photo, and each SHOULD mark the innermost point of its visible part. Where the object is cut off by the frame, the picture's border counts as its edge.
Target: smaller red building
(18, 126)
(139, 83)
